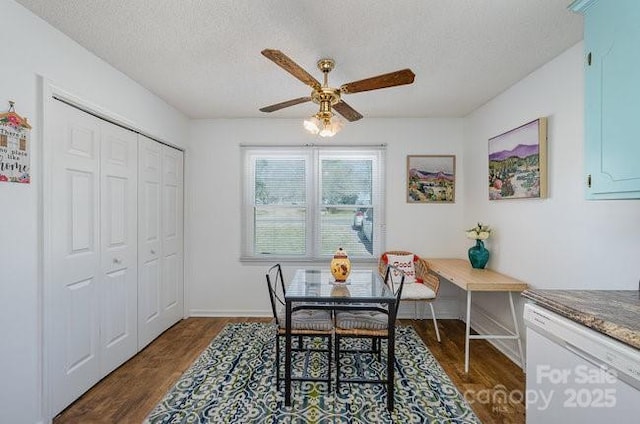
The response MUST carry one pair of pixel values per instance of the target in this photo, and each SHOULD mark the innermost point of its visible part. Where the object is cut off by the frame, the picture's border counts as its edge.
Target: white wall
(559, 242)
(222, 286)
(35, 50)
(564, 241)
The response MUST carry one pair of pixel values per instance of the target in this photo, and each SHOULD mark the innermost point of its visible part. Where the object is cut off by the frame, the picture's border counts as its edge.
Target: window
(302, 203)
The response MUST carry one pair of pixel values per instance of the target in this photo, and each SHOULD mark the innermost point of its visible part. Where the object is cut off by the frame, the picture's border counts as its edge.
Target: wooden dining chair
(312, 328)
(420, 285)
(366, 324)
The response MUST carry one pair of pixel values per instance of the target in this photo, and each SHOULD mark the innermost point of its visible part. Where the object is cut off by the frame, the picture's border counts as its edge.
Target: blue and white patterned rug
(234, 381)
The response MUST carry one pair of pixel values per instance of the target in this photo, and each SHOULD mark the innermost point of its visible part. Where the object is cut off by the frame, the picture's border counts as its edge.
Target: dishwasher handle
(591, 359)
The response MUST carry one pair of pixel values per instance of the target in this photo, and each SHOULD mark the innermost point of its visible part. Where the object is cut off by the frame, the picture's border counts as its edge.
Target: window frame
(313, 155)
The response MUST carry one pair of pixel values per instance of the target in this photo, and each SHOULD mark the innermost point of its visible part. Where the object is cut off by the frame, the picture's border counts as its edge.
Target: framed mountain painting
(518, 162)
(431, 179)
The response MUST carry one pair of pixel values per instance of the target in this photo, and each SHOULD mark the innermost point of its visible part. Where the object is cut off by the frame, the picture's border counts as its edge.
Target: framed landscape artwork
(431, 179)
(518, 162)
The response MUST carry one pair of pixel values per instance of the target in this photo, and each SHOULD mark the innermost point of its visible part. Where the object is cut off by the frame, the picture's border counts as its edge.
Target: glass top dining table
(319, 286)
(317, 289)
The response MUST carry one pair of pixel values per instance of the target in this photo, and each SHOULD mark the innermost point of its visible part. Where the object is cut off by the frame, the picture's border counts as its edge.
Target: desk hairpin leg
(516, 329)
(511, 336)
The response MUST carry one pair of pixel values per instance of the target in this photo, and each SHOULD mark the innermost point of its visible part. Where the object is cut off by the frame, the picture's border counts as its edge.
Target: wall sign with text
(14, 147)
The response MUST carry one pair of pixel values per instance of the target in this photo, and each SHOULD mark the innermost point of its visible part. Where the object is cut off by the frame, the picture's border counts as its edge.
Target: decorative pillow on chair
(307, 319)
(404, 263)
(369, 320)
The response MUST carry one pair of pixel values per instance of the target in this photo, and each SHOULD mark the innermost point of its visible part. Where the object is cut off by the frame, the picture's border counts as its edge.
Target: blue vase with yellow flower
(478, 254)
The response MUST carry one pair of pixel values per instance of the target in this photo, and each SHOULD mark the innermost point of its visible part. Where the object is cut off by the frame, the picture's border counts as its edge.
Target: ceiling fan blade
(392, 79)
(282, 105)
(290, 66)
(347, 111)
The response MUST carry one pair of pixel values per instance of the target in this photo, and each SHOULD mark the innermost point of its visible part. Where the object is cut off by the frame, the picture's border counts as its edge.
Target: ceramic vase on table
(340, 266)
(478, 255)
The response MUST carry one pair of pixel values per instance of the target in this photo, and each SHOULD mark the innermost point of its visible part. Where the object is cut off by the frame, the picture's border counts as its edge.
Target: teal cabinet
(612, 97)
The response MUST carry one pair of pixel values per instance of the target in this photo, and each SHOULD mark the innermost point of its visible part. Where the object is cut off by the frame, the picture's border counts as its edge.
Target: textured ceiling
(203, 57)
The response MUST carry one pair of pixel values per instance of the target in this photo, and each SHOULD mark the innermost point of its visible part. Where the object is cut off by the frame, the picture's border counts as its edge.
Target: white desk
(460, 273)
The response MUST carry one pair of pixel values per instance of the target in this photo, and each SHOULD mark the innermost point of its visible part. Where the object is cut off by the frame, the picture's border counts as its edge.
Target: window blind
(303, 203)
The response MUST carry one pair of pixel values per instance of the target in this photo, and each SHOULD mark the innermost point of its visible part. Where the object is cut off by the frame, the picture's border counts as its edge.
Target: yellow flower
(479, 232)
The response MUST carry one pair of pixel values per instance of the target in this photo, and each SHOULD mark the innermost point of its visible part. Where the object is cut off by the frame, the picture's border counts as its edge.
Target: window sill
(302, 261)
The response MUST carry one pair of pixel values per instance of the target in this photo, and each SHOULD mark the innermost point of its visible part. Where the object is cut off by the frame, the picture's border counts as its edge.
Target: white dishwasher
(577, 375)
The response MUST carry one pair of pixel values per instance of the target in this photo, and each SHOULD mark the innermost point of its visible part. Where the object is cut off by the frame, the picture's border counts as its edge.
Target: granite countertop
(615, 313)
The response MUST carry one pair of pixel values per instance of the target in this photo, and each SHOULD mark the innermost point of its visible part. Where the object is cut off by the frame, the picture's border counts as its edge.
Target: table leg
(287, 355)
(391, 349)
(516, 328)
(467, 332)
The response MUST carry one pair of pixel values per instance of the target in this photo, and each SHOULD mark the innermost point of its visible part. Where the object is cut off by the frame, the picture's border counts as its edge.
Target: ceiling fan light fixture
(324, 124)
(312, 125)
(331, 127)
(327, 131)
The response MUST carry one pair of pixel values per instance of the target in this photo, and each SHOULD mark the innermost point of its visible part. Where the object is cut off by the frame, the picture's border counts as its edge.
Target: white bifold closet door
(160, 239)
(91, 302)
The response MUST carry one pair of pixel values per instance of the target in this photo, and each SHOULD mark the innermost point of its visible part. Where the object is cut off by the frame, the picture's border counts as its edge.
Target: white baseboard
(229, 313)
(485, 323)
(445, 307)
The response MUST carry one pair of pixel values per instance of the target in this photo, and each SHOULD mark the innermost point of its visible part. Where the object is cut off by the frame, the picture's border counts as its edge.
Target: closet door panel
(81, 348)
(81, 224)
(150, 322)
(119, 221)
(71, 299)
(149, 285)
(172, 235)
(169, 289)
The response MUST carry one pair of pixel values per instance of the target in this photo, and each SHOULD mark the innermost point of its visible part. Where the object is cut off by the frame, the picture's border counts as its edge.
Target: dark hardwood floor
(494, 385)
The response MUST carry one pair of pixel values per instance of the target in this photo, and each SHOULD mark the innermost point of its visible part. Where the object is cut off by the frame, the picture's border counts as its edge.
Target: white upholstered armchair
(419, 285)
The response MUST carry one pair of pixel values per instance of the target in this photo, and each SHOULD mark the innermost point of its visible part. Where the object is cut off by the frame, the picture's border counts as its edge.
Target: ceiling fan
(328, 97)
